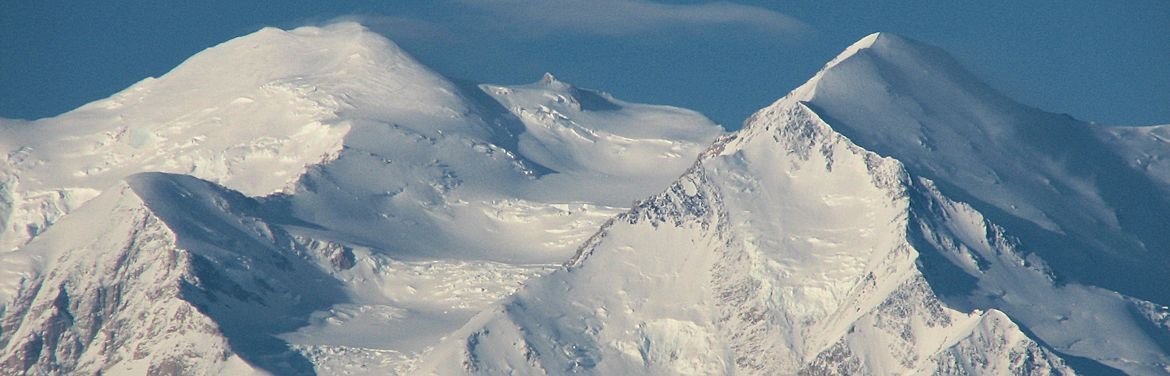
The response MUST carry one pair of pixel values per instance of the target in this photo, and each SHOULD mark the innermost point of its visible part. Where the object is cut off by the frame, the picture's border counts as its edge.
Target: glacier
(842, 231)
(316, 201)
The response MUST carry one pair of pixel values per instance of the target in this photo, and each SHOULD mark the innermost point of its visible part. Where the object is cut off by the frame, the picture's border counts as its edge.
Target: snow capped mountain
(408, 201)
(891, 216)
(315, 201)
(254, 112)
(161, 274)
(1019, 166)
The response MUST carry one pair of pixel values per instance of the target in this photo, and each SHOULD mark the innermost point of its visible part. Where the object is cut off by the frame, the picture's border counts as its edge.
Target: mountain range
(316, 201)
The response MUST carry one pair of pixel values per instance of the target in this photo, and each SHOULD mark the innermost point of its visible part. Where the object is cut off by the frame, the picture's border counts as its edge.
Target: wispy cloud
(523, 31)
(403, 27)
(622, 17)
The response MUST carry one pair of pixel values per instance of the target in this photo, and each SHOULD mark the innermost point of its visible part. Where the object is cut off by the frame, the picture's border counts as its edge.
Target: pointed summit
(857, 46)
(899, 65)
(885, 42)
(884, 82)
(913, 102)
(548, 79)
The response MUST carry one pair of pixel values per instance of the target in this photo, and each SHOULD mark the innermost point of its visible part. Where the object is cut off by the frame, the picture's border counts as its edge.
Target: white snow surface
(412, 200)
(315, 201)
(784, 251)
(891, 216)
(1049, 179)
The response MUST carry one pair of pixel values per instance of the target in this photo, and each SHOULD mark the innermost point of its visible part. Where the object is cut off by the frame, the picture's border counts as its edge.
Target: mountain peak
(886, 40)
(880, 58)
(861, 44)
(339, 58)
(272, 53)
(548, 79)
(885, 72)
(886, 43)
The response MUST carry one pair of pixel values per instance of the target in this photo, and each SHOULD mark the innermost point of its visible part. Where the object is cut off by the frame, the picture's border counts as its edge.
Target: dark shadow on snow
(254, 284)
(593, 101)
(506, 126)
(1132, 261)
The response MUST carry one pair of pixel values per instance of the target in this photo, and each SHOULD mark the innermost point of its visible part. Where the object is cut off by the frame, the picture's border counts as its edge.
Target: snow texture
(792, 248)
(315, 201)
(342, 206)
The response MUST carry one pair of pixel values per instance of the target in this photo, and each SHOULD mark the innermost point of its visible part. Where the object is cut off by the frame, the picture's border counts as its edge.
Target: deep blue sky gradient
(1101, 61)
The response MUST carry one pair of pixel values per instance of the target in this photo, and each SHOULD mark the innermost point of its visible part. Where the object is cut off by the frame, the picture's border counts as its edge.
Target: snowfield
(315, 201)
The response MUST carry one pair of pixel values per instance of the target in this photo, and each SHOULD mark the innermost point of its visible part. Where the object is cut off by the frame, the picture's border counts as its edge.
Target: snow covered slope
(782, 252)
(410, 200)
(315, 201)
(123, 293)
(1047, 178)
(1146, 149)
(891, 216)
(254, 113)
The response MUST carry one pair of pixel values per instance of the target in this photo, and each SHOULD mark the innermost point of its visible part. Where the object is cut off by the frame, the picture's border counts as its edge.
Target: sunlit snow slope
(891, 216)
(315, 201)
(387, 205)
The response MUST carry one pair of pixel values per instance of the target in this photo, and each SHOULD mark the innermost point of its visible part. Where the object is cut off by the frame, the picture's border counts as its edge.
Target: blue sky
(1095, 60)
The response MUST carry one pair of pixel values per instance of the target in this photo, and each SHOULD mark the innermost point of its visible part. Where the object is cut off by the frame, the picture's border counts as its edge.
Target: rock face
(123, 294)
(328, 205)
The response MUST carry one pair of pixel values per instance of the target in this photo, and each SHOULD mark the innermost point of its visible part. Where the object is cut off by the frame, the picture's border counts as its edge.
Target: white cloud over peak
(621, 17)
